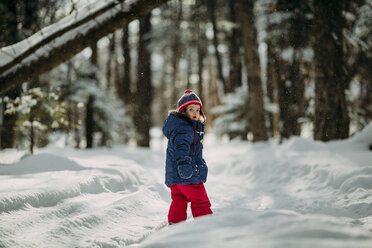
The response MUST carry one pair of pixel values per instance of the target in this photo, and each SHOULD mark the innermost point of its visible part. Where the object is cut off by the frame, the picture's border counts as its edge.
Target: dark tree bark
(366, 88)
(176, 48)
(32, 134)
(189, 68)
(144, 86)
(89, 106)
(8, 23)
(201, 55)
(290, 80)
(256, 113)
(235, 75)
(15, 72)
(125, 88)
(89, 122)
(110, 59)
(8, 36)
(117, 74)
(201, 48)
(76, 118)
(273, 75)
(331, 114)
(8, 132)
(164, 104)
(70, 104)
(31, 19)
(212, 15)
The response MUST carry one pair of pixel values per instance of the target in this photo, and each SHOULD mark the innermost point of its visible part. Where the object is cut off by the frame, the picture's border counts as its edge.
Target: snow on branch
(60, 41)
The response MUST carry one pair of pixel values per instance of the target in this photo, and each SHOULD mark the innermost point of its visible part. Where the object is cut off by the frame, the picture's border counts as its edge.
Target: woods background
(263, 69)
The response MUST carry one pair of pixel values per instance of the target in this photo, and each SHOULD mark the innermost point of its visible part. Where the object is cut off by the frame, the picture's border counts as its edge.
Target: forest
(100, 73)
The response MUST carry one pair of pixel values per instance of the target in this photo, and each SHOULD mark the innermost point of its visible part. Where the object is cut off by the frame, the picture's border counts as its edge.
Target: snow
(66, 26)
(301, 193)
(10, 52)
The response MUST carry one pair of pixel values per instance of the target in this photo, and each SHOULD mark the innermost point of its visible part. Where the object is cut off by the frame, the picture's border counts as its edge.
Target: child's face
(193, 112)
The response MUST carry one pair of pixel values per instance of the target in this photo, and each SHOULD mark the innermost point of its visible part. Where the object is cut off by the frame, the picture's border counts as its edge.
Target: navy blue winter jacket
(184, 162)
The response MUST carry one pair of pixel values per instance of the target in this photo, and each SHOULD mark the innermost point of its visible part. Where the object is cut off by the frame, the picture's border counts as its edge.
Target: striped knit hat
(189, 97)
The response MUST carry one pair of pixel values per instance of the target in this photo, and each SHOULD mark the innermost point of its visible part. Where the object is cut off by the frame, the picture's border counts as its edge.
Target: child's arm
(183, 141)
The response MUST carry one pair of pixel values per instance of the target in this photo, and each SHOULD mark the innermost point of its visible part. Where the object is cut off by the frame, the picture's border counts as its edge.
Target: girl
(186, 170)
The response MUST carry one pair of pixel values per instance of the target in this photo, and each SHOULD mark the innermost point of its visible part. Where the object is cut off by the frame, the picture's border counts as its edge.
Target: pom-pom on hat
(189, 97)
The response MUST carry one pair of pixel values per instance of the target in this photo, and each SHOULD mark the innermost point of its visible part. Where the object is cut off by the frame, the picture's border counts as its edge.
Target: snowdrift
(67, 198)
(301, 193)
(298, 194)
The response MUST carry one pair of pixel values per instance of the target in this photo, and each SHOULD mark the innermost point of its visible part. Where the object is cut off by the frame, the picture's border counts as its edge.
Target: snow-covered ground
(301, 193)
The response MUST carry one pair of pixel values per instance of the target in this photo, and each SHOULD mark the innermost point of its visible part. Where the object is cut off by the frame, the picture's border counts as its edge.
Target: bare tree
(235, 75)
(256, 114)
(331, 114)
(201, 45)
(144, 87)
(177, 49)
(212, 15)
(111, 58)
(124, 90)
(89, 106)
(24, 12)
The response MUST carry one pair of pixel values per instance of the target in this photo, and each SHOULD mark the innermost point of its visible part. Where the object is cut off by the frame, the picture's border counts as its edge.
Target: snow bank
(363, 137)
(271, 228)
(301, 193)
(39, 163)
(95, 198)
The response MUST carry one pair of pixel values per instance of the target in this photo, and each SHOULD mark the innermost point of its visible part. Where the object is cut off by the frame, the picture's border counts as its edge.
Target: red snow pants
(182, 195)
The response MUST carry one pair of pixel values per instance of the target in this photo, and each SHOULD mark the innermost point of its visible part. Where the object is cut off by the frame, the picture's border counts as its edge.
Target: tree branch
(78, 35)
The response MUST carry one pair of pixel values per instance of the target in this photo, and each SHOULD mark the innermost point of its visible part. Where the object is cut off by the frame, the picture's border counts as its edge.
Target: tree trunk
(291, 82)
(110, 80)
(212, 14)
(32, 133)
(164, 103)
(70, 105)
(189, 69)
(235, 75)
(213, 98)
(144, 86)
(297, 101)
(111, 57)
(331, 115)
(77, 135)
(176, 54)
(201, 48)
(366, 90)
(89, 122)
(201, 55)
(125, 88)
(31, 16)
(298, 39)
(272, 88)
(89, 107)
(256, 112)
(16, 71)
(8, 23)
(8, 36)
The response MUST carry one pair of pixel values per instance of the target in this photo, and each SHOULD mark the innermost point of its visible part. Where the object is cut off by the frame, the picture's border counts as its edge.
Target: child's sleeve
(183, 142)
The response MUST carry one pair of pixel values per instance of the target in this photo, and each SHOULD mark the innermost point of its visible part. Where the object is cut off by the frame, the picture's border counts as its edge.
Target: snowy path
(298, 194)
(101, 200)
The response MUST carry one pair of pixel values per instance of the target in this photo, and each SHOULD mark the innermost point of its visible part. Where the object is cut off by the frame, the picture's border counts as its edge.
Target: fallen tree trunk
(59, 45)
